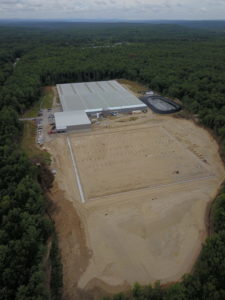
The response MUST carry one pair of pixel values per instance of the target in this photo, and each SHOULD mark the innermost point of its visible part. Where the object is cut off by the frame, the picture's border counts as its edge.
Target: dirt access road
(147, 184)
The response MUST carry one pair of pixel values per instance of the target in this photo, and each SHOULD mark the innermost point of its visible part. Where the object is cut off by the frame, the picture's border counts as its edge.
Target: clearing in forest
(147, 183)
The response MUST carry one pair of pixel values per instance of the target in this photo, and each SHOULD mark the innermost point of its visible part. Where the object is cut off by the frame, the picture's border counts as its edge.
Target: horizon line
(108, 20)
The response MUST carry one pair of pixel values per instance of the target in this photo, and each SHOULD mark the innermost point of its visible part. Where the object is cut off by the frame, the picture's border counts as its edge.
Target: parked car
(114, 113)
(52, 131)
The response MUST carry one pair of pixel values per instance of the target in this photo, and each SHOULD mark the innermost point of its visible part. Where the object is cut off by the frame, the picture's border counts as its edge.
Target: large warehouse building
(82, 100)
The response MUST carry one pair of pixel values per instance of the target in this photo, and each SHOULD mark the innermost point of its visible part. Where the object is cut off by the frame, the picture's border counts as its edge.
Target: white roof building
(69, 120)
(96, 96)
(88, 98)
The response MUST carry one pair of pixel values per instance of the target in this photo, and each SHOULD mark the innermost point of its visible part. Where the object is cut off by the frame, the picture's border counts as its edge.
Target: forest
(180, 62)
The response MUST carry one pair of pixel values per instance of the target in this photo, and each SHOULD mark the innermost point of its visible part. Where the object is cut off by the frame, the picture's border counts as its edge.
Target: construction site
(131, 195)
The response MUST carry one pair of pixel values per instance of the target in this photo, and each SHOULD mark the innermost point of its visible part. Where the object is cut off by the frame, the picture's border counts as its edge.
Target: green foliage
(147, 292)
(28, 144)
(56, 271)
(175, 291)
(35, 288)
(44, 102)
(219, 213)
(119, 296)
(24, 226)
(9, 126)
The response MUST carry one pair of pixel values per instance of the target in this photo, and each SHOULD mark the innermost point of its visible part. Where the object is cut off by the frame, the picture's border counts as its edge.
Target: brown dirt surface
(147, 186)
(146, 156)
(71, 240)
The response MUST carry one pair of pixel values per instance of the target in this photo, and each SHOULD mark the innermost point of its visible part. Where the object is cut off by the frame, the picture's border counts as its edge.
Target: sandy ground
(147, 185)
(134, 158)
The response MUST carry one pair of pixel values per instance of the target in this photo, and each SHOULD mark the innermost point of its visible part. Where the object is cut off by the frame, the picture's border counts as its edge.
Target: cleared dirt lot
(129, 159)
(147, 184)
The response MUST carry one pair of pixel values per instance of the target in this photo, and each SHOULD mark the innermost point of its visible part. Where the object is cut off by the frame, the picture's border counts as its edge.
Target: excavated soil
(147, 183)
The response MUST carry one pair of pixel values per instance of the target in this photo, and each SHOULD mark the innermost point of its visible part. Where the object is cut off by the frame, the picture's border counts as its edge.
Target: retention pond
(161, 105)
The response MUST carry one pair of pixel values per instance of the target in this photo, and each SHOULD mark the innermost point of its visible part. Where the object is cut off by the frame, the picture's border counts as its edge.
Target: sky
(113, 9)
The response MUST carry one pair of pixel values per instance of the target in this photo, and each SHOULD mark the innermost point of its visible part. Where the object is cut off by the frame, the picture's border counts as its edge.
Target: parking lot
(45, 125)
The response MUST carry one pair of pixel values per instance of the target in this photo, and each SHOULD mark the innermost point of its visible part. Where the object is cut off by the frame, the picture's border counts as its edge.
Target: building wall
(121, 110)
(79, 127)
(127, 110)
